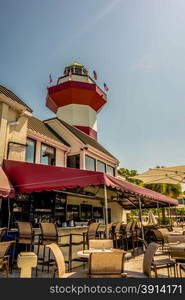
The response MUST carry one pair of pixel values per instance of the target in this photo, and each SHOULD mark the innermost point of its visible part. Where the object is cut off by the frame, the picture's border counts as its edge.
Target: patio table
(86, 253)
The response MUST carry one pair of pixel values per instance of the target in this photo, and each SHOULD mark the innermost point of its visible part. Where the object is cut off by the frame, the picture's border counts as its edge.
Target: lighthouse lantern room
(76, 99)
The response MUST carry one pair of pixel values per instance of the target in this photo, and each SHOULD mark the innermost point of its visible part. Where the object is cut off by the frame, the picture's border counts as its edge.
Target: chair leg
(168, 271)
(174, 268)
(180, 271)
(38, 250)
(155, 271)
(49, 254)
(43, 260)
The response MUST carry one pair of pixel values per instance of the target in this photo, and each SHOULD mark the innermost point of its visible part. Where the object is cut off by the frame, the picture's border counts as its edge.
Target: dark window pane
(90, 163)
(30, 151)
(110, 170)
(47, 155)
(73, 161)
(78, 71)
(101, 167)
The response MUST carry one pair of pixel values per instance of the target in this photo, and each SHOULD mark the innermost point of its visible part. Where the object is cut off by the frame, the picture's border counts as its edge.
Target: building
(68, 140)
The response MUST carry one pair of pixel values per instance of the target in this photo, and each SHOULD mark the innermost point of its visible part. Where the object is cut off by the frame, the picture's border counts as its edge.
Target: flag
(70, 73)
(95, 75)
(50, 79)
(105, 87)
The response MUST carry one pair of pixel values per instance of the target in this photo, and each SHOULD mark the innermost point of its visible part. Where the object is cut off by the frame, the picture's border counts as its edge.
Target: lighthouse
(76, 99)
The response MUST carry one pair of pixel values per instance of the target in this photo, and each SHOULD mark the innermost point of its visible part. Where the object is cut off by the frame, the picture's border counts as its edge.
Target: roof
(86, 139)
(11, 95)
(75, 63)
(42, 128)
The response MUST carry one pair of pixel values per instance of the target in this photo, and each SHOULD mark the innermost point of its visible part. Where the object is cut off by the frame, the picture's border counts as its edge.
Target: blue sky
(136, 47)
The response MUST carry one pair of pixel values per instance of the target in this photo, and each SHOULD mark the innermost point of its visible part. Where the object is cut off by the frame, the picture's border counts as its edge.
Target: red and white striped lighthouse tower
(76, 99)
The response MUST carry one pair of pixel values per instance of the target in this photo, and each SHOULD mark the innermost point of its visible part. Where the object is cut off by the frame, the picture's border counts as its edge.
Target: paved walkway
(131, 265)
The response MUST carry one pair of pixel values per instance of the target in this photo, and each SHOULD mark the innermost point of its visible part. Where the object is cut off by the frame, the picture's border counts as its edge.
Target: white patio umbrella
(152, 219)
(171, 175)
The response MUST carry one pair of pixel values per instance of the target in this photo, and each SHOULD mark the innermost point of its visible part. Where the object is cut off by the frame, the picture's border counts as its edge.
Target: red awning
(6, 189)
(28, 178)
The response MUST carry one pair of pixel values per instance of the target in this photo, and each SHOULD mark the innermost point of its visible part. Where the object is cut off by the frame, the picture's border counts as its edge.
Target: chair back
(49, 231)
(175, 238)
(129, 226)
(59, 258)
(177, 253)
(25, 230)
(3, 232)
(92, 230)
(100, 244)
(118, 227)
(133, 226)
(159, 237)
(4, 248)
(163, 231)
(148, 258)
(106, 264)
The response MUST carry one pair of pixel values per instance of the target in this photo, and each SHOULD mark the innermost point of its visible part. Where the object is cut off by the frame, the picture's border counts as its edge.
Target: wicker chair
(25, 234)
(150, 265)
(118, 237)
(84, 241)
(3, 232)
(49, 234)
(59, 266)
(100, 244)
(4, 257)
(109, 265)
(179, 255)
(109, 229)
(181, 268)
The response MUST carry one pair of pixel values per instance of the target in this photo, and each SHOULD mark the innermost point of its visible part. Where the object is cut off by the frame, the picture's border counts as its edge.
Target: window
(47, 156)
(30, 151)
(73, 161)
(78, 71)
(90, 163)
(101, 167)
(110, 170)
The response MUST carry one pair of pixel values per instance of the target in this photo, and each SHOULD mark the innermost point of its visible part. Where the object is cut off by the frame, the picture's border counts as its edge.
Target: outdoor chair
(84, 241)
(178, 254)
(137, 240)
(25, 234)
(150, 265)
(49, 234)
(158, 237)
(109, 265)
(154, 265)
(59, 266)
(100, 244)
(118, 237)
(3, 232)
(109, 230)
(4, 256)
(175, 239)
(129, 233)
(181, 268)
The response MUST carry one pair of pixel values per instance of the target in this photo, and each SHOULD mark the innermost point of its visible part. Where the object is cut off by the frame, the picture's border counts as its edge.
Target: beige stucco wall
(12, 132)
(3, 129)
(75, 144)
(17, 133)
(60, 153)
(78, 147)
